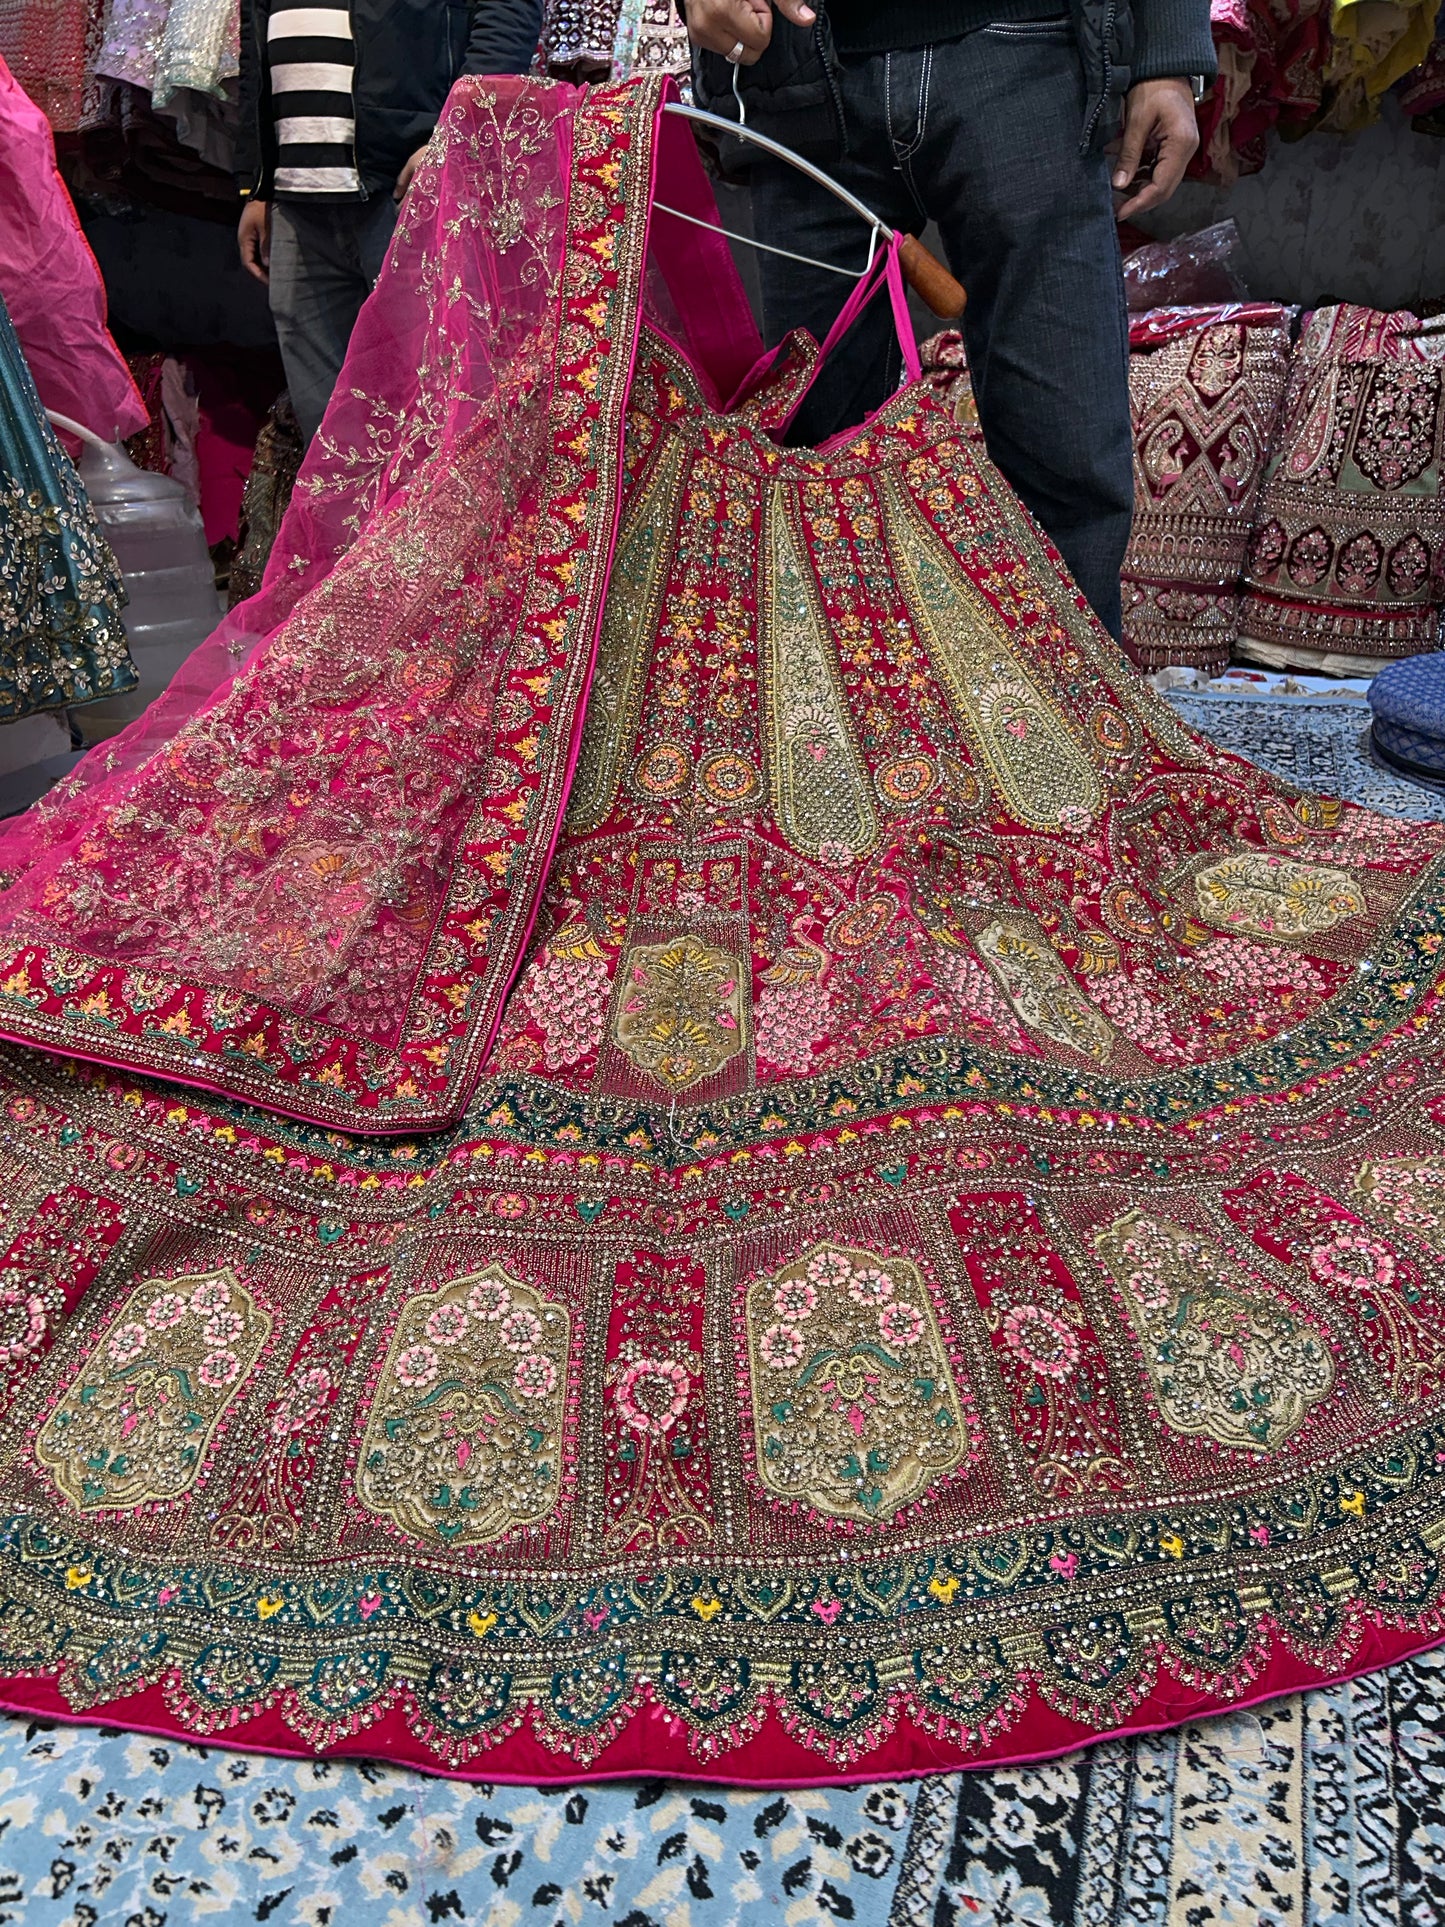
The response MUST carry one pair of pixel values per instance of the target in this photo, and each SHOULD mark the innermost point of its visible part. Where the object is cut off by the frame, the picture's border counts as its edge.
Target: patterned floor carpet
(1326, 1810)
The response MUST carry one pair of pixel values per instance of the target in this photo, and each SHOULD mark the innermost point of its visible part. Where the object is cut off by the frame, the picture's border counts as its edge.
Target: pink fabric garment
(50, 281)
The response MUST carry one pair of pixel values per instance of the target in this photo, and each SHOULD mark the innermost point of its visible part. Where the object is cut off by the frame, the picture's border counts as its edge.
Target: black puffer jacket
(791, 93)
(408, 53)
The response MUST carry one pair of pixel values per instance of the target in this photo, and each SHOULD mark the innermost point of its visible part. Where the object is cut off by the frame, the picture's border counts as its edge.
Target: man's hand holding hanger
(740, 30)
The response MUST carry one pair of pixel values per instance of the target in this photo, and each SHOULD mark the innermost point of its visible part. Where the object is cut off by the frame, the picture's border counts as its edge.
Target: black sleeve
(255, 132)
(1172, 40)
(504, 36)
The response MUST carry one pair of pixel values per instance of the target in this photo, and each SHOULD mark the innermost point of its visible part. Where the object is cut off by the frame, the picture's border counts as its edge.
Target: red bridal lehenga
(878, 1206)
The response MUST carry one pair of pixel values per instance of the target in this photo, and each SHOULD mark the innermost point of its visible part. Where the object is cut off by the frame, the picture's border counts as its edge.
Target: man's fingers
(725, 25)
(1131, 151)
(798, 11)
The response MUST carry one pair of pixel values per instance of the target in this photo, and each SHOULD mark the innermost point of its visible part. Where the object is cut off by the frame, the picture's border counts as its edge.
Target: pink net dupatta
(306, 877)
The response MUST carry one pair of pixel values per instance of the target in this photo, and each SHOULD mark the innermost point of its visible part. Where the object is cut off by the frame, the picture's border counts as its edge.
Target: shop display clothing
(981, 134)
(50, 281)
(1347, 558)
(932, 1244)
(61, 639)
(1206, 387)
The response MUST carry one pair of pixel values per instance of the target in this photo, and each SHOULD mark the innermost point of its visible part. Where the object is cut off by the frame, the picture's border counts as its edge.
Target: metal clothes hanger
(922, 270)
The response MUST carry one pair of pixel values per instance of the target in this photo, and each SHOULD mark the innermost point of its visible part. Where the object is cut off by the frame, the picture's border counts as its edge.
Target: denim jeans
(325, 257)
(982, 135)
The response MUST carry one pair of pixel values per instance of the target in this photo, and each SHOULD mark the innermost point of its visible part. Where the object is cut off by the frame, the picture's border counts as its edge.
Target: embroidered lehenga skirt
(61, 639)
(858, 1201)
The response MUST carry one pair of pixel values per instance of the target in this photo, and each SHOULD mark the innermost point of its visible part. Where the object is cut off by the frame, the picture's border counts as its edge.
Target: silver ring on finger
(738, 50)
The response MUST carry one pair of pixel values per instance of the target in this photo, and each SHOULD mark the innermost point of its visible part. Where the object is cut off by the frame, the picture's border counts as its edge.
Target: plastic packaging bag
(1194, 270)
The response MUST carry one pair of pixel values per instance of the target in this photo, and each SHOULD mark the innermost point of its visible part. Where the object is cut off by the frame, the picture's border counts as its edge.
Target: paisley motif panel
(463, 1444)
(133, 1428)
(1227, 1356)
(856, 1412)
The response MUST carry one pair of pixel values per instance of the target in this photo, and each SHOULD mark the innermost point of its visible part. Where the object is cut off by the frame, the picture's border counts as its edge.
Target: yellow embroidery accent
(1045, 776)
(269, 1605)
(706, 1609)
(855, 1410)
(1172, 1544)
(135, 1425)
(820, 786)
(944, 1589)
(614, 702)
(464, 1440)
(76, 1577)
(1354, 1503)
(1274, 896)
(481, 1623)
(1040, 989)
(682, 1010)
(1227, 1356)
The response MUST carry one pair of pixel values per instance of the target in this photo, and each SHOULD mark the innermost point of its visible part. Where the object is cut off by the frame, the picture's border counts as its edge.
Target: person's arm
(1172, 43)
(255, 141)
(504, 36)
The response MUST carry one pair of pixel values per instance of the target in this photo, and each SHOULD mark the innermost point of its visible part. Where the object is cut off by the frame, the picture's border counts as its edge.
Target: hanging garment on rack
(269, 487)
(1348, 553)
(131, 44)
(1374, 44)
(1205, 387)
(651, 38)
(1272, 59)
(944, 1258)
(61, 640)
(199, 51)
(50, 282)
(50, 46)
(1422, 98)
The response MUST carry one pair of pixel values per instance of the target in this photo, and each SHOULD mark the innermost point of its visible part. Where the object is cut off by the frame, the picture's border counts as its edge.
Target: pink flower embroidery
(219, 1368)
(781, 1346)
(224, 1327)
(900, 1324)
(447, 1324)
(22, 1322)
(535, 1375)
(127, 1343)
(211, 1296)
(167, 1310)
(652, 1395)
(1353, 1259)
(794, 1299)
(417, 1366)
(490, 1299)
(870, 1286)
(1044, 1341)
(521, 1330)
(829, 1268)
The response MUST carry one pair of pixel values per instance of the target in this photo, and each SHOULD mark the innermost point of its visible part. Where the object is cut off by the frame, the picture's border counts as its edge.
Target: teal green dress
(61, 640)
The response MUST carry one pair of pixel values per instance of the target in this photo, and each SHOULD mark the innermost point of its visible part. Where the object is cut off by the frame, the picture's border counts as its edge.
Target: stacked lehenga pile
(710, 1142)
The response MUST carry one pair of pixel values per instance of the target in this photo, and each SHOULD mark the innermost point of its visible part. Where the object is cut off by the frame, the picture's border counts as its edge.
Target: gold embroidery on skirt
(1046, 777)
(1273, 896)
(464, 1439)
(683, 1010)
(855, 1409)
(815, 768)
(629, 622)
(1225, 1355)
(1042, 992)
(136, 1423)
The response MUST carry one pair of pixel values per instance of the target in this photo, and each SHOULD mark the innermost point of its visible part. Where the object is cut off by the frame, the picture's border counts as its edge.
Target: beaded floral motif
(1226, 1356)
(134, 1427)
(682, 1010)
(1274, 896)
(855, 1408)
(820, 789)
(464, 1439)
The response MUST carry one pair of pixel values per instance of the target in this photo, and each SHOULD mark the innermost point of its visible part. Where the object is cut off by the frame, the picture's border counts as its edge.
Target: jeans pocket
(1056, 26)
